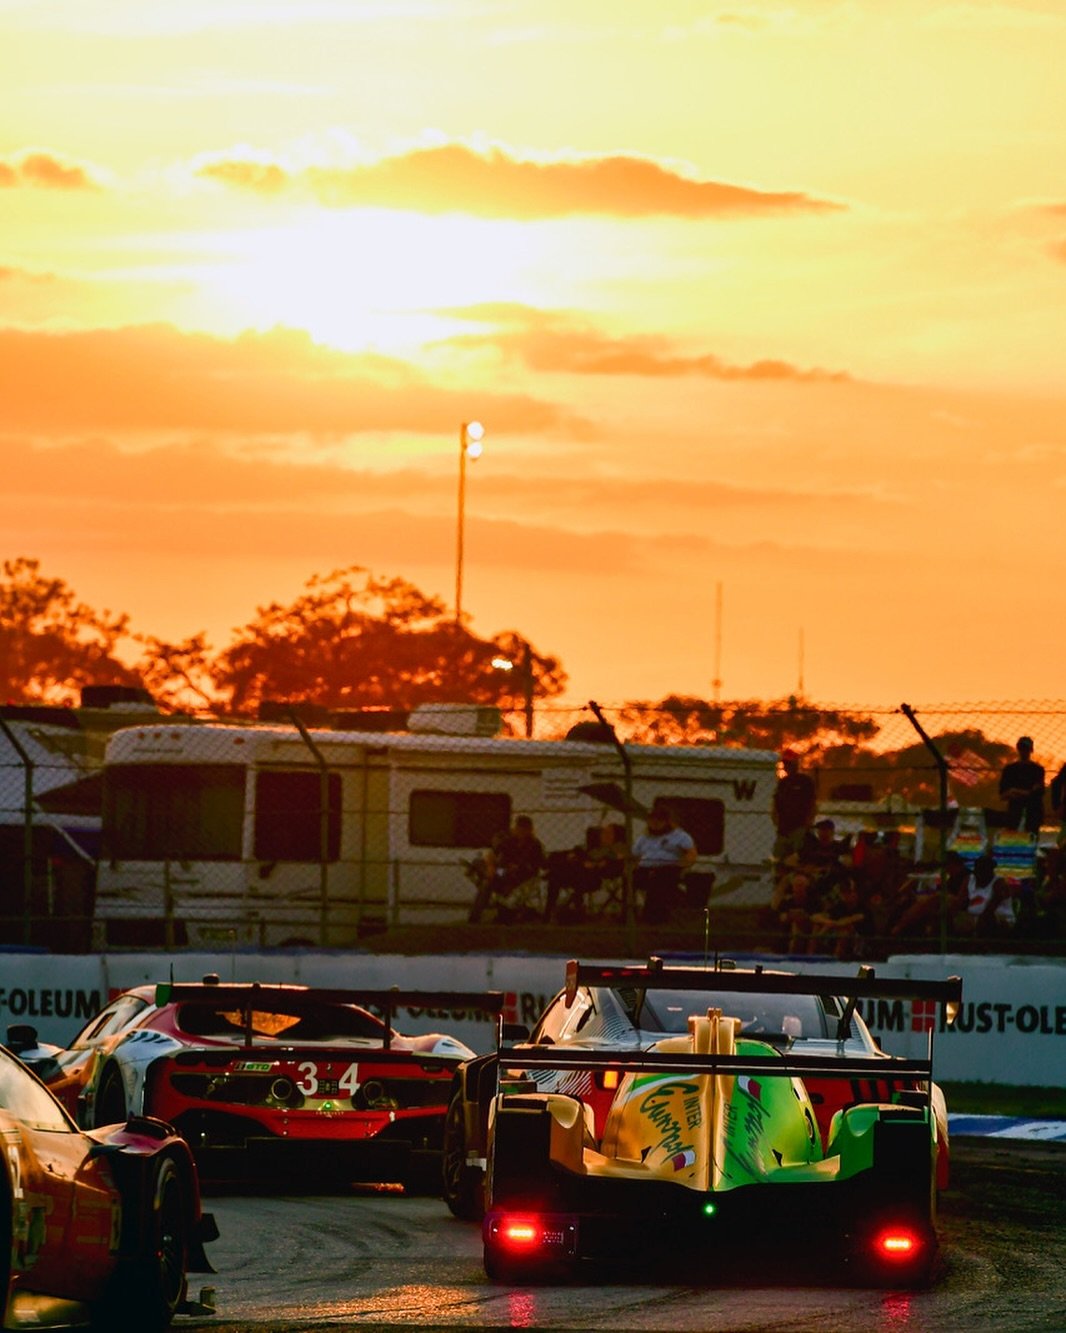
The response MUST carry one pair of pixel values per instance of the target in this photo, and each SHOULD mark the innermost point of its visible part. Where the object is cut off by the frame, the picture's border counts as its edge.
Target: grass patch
(995, 1099)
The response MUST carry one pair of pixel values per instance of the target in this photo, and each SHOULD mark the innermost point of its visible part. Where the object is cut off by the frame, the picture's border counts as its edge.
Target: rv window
(703, 819)
(173, 812)
(288, 816)
(457, 818)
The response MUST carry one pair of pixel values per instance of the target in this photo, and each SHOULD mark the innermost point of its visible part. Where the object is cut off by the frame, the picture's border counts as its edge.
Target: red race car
(100, 1226)
(260, 1079)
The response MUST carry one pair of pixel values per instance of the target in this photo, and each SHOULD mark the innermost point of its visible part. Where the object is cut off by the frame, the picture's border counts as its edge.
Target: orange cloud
(454, 178)
(152, 378)
(548, 341)
(8, 274)
(200, 474)
(44, 171)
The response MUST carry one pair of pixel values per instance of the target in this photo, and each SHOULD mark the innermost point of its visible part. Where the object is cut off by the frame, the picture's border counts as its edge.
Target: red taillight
(898, 1244)
(519, 1233)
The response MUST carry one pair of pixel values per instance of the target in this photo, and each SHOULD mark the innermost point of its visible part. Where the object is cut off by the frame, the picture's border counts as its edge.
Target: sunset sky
(762, 296)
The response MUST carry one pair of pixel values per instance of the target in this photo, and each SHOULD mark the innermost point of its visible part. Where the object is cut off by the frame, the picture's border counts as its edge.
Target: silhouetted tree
(179, 675)
(910, 772)
(50, 643)
(746, 723)
(352, 640)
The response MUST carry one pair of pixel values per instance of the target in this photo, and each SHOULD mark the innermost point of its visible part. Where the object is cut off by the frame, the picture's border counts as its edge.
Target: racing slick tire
(5, 1237)
(152, 1287)
(423, 1174)
(463, 1185)
(109, 1106)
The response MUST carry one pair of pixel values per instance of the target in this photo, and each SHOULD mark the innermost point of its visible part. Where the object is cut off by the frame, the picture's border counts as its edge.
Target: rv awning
(84, 796)
(610, 793)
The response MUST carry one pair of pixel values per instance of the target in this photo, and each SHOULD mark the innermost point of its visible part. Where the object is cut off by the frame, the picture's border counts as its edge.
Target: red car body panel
(73, 1204)
(271, 1066)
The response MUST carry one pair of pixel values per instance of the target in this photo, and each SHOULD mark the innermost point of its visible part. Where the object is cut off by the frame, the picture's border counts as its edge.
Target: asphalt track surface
(377, 1259)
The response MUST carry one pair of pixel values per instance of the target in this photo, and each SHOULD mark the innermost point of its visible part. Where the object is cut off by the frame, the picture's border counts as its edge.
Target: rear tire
(423, 1175)
(110, 1107)
(463, 1186)
(150, 1289)
(6, 1212)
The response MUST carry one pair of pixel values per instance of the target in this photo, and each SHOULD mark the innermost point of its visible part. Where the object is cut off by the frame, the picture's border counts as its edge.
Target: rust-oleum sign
(27, 1004)
(1011, 1026)
(885, 1017)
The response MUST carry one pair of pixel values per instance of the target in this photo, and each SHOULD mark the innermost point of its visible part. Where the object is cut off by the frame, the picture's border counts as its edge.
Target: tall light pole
(471, 433)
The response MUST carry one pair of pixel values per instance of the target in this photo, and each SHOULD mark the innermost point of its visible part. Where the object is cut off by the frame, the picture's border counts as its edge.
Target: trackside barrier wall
(1011, 1027)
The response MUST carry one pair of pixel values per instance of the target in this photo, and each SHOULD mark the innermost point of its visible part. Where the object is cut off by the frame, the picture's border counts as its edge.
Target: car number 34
(312, 1083)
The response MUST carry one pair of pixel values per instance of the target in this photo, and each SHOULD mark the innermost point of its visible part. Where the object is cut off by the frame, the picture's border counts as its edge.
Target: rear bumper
(317, 1163)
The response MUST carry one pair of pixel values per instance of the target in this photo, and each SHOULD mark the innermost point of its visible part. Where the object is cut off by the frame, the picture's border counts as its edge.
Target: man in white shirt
(662, 854)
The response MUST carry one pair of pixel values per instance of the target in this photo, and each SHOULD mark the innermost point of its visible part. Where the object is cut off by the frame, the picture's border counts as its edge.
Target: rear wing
(246, 996)
(656, 976)
(657, 1062)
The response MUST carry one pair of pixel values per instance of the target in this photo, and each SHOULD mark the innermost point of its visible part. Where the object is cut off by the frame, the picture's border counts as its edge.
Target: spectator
(583, 870)
(823, 852)
(514, 859)
(662, 853)
(843, 920)
(986, 907)
(1021, 786)
(918, 901)
(1050, 903)
(1058, 802)
(793, 806)
(796, 901)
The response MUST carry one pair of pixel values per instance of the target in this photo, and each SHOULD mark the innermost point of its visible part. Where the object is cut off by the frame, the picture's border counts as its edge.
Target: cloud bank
(454, 178)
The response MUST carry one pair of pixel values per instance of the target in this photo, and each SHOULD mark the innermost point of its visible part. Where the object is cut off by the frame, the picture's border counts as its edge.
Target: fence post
(27, 832)
(323, 829)
(942, 768)
(627, 864)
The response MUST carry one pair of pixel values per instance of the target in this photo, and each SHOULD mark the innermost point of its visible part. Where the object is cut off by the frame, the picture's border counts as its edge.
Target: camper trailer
(50, 758)
(258, 835)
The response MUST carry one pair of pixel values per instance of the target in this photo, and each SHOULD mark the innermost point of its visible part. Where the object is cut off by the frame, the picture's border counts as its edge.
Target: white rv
(50, 757)
(264, 835)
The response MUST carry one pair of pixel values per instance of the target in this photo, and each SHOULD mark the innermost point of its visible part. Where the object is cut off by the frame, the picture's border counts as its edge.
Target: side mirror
(512, 1032)
(21, 1037)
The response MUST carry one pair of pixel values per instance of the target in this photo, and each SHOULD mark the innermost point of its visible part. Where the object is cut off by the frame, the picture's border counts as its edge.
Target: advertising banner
(1011, 1026)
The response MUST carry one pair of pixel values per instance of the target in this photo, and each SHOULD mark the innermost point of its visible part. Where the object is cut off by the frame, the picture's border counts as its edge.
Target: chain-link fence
(211, 834)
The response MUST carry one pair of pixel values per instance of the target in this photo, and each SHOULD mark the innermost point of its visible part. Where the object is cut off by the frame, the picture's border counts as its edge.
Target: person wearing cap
(793, 806)
(1021, 786)
(824, 852)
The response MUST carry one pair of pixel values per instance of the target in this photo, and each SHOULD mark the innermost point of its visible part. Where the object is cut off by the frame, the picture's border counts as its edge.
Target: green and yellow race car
(711, 1145)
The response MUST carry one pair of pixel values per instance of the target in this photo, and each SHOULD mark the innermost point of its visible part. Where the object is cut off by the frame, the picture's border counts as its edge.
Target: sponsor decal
(655, 1107)
(518, 1007)
(749, 1085)
(48, 1002)
(977, 1017)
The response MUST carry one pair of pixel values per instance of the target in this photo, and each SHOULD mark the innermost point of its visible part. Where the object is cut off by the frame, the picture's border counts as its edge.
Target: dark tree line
(355, 640)
(350, 640)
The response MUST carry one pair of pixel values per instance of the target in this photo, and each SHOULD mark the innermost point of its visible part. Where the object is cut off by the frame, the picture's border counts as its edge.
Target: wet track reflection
(388, 1262)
